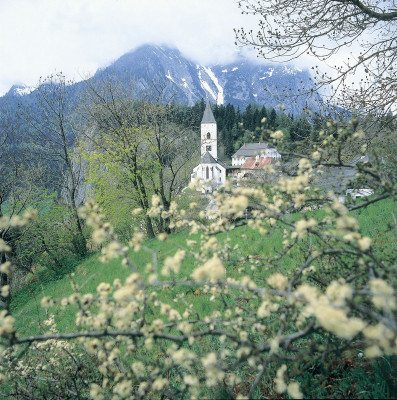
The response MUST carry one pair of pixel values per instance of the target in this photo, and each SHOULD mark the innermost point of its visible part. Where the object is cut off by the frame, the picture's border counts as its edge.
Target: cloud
(78, 36)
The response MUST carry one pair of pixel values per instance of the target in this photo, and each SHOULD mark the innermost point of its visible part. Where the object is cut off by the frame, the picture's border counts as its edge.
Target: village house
(249, 150)
(255, 167)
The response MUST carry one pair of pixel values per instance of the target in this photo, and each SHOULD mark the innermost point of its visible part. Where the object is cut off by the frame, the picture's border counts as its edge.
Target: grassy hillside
(376, 221)
(26, 303)
(346, 375)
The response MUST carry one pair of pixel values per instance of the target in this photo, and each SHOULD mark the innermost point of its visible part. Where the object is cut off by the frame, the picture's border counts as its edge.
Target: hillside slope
(374, 222)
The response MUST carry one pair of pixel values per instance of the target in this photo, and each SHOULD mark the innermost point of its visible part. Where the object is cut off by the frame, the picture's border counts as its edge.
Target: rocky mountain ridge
(240, 83)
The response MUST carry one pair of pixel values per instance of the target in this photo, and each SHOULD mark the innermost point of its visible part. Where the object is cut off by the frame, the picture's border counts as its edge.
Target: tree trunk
(3, 277)
(4, 281)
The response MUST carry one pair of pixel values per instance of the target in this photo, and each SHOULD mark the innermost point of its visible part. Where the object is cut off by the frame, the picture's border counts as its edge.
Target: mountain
(240, 83)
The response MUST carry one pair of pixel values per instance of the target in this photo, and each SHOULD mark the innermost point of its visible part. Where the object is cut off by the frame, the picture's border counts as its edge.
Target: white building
(211, 171)
(262, 150)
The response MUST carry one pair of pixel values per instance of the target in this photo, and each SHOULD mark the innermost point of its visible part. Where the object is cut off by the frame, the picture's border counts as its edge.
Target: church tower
(211, 172)
(209, 139)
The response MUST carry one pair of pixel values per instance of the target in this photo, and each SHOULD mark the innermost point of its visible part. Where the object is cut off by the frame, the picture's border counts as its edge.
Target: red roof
(251, 163)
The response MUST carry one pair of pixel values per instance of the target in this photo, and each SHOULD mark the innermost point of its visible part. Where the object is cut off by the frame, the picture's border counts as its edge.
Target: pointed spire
(208, 117)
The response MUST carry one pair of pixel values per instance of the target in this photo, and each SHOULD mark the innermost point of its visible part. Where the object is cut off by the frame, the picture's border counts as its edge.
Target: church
(211, 171)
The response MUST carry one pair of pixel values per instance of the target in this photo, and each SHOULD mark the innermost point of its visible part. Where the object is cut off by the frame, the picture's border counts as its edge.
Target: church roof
(208, 159)
(220, 162)
(208, 117)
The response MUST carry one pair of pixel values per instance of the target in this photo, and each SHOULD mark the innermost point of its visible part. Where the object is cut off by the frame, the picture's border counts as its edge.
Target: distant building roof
(253, 163)
(208, 117)
(208, 159)
(334, 178)
(338, 178)
(251, 149)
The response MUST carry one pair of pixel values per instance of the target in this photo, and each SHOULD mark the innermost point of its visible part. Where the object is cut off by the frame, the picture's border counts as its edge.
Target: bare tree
(289, 29)
(18, 178)
(55, 131)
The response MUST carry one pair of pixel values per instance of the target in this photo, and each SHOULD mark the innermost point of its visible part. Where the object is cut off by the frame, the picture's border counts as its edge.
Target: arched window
(208, 135)
(208, 173)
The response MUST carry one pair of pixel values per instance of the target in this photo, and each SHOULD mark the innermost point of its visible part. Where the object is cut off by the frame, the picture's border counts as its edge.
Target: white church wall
(209, 140)
(212, 175)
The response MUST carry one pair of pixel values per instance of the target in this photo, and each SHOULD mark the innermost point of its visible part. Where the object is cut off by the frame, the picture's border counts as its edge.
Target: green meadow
(367, 378)
(376, 221)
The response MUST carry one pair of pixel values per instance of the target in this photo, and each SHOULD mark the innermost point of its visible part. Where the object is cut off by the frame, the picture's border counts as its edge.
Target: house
(257, 168)
(211, 170)
(263, 150)
(256, 163)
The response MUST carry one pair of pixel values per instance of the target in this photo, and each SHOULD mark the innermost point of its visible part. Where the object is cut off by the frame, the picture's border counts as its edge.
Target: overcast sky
(38, 37)
(76, 37)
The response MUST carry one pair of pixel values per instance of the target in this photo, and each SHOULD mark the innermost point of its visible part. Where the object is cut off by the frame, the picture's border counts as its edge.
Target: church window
(208, 135)
(208, 173)
(208, 148)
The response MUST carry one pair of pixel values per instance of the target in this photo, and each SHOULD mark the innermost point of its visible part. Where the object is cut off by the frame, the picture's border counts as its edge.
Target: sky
(76, 37)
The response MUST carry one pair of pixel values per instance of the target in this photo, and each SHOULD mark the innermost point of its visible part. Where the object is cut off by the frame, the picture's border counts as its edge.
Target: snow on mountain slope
(20, 90)
(239, 83)
(220, 97)
(23, 91)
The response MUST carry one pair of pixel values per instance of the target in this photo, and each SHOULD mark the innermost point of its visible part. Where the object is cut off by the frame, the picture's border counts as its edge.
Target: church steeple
(209, 135)
(208, 117)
